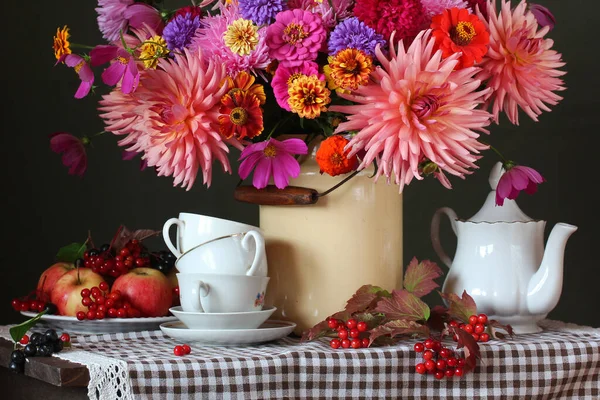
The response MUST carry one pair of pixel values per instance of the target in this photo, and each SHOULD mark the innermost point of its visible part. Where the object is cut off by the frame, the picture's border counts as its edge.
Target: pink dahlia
(516, 179)
(406, 17)
(436, 7)
(520, 66)
(296, 36)
(285, 74)
(417, 106)
(120, 117)
(111, 18)
(272, 158)
(331, 12)
(210, 37)
(175, 118)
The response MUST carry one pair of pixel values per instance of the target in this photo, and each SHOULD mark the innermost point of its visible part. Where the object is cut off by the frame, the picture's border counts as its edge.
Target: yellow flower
(152, 50)
(241, 36)
(61, 42)
(351, 68)
(308, 96)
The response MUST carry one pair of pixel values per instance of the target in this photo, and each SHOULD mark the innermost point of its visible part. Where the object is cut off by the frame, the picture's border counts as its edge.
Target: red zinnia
(406, 17)
(457, 31)
(195, 11)
(241, 115)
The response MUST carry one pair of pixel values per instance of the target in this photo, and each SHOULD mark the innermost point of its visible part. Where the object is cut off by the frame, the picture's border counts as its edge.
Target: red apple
(66, 293)
(172, 277)
(50, 276)
(147, 290)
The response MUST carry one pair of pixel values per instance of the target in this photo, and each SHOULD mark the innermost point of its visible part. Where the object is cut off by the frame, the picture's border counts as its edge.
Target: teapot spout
(545, 286)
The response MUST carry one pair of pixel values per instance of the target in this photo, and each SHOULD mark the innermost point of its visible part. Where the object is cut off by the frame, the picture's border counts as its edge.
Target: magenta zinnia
(176, 118)
(520, 65)
(416, 107)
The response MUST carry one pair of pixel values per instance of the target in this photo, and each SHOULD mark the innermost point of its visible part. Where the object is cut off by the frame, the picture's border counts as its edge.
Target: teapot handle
(435, 232)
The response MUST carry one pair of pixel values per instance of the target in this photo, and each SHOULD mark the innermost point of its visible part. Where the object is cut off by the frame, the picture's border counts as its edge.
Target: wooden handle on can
(272, 196)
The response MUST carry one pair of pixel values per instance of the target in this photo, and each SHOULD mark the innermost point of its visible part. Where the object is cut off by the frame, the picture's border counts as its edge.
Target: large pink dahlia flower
(175, 118)
(417, 106)
(520, 66)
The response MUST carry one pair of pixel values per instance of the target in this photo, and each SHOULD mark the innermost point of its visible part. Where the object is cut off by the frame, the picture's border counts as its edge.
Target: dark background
(44, 208)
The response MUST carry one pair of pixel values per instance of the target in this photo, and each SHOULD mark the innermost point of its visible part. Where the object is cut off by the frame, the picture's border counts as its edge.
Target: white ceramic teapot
(501, 262)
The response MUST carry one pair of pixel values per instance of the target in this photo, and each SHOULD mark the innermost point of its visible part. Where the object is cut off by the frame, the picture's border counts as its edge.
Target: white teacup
(194, 229)
(238, 254)
(216, 293)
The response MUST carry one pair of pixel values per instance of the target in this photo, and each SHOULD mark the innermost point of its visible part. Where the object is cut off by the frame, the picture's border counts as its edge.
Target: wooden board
(51, 370)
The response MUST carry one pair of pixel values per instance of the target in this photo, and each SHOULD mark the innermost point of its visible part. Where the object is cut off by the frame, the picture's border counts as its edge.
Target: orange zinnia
(456, 30)
(332, 159)
(241, 115)
(245, 82)
(61, 42)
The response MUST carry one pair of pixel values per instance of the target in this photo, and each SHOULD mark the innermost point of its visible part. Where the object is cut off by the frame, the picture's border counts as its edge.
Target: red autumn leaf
(471, 348)
(438, 318)
(322, 328)
(419, 277)
(460, 308)
(124, 235)
(403, 305)
(495, 325)
(365, 297)
(399, 327)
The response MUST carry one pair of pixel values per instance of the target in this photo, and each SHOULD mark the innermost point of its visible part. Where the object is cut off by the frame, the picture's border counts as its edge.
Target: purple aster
(354, 34)
(261, 12)
(180, 30)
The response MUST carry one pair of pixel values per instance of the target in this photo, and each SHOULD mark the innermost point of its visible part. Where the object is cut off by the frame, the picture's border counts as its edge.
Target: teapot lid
(490, 212)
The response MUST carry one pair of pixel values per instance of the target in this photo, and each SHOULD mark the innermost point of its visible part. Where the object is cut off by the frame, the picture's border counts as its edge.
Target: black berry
(93, 252)
(18, 357)
(36, 338)
(45, 350)
(51, 336)
(17, 368)
(104, 248)
(30, 350)
(58, 346)
(51, 308)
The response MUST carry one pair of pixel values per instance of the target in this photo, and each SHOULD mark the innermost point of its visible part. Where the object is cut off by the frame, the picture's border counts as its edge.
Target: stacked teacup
(222, 272)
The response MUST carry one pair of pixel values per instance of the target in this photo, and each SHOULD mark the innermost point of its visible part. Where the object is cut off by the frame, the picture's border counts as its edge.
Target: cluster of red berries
(36, 305)
(438, 360)
(102, 304)
(350, 333)
(182, 350)
(477, 327)
(104, 261)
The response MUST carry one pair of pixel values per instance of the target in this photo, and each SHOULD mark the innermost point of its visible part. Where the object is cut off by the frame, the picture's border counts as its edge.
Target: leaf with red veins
(365, 297)
(419, 277)
(460, 308)
(403, 305)
(322, 328)
(493, 327)
(398, 327)
(438, 318)
(124, 235)
(466, 341)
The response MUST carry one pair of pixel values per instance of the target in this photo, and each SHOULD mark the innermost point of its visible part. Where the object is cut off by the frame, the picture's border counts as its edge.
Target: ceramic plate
(236, 320)
(270, 330)
(107, 325)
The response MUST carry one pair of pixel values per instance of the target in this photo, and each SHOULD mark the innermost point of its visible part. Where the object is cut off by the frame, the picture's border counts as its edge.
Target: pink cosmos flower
(295, 36)
(73, 151)
(543, 16)
(84, 71)
(173, 118)
(283, 74)
(140, 15)
(520, 66)
(111, 18)
(272, 158)
(417, 106)
(210, 38)
(514, 180)
(123, 68)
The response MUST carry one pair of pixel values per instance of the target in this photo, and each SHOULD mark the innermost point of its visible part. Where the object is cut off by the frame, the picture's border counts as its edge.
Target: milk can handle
(435, 232)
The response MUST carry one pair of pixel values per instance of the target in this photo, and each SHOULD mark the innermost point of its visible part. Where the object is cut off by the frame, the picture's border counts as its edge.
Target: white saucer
(235, 320)
(270, 330)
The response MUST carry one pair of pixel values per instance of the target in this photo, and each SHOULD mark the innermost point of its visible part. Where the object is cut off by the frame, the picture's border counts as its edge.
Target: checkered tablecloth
(563, 362)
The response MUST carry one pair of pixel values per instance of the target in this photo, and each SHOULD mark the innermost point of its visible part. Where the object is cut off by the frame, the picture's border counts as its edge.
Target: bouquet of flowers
(407, 86)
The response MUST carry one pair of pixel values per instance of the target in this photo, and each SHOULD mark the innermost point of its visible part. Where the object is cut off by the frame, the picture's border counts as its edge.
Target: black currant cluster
(163, 261)
(39, 345)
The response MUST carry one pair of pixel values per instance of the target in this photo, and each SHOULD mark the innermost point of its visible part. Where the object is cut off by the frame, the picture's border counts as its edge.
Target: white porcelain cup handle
(435, 232)
(260, 250)
(199, 290)
(166, 227)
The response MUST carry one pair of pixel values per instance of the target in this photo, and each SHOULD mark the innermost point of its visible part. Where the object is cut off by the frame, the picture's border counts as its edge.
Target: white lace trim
(568, 327)
(109, 377)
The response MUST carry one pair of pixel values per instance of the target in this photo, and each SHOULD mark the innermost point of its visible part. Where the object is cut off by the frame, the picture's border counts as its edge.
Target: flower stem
(495, 150)
(346, 179)
(81, 46)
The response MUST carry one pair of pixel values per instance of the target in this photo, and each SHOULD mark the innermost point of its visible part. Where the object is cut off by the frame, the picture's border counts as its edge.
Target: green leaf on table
(403, 305)
(419, 277)
(399, 327)
(18, 331)
(460, 308)
(365, 297)
(71, 252)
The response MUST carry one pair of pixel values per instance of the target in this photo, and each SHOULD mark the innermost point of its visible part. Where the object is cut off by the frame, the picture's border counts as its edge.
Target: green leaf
(403, 305)
(71, 252)
(419, 277)
(18, 331)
